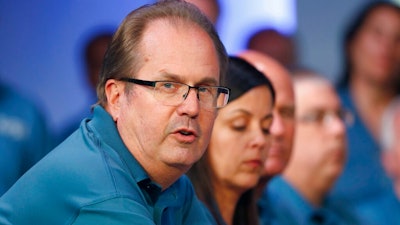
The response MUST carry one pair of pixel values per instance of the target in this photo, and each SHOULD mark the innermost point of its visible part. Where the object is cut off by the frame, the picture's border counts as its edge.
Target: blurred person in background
(282, 128)
(275, 44)
(370, 81)
(226, 176)
(390, 142)
(24, 136)
(298, 196)
(92, 54)
(211, 8)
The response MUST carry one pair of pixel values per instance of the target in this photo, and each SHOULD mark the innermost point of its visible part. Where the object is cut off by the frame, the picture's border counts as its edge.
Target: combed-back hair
(124, 57)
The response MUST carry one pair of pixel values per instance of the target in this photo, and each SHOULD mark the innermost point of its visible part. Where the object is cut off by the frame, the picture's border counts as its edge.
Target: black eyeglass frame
(221, 89)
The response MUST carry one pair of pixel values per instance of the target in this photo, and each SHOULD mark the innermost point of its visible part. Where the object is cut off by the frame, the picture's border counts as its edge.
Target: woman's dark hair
(241, 77)
(352, 31)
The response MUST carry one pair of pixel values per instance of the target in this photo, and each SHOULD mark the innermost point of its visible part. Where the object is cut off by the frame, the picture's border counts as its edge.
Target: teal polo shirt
(92, 178)
(282, 204)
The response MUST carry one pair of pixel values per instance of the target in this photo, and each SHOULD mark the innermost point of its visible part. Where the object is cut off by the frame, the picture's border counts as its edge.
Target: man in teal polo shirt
(158, 98)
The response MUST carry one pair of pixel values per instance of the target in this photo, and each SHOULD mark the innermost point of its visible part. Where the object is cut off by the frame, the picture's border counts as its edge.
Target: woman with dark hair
(371, 79)
(226, 175)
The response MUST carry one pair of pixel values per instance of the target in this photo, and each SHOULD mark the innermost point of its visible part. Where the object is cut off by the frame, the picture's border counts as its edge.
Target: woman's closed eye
(239, 124)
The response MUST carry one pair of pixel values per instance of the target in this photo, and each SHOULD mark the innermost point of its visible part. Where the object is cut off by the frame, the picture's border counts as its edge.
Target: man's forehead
(187, 78)
(321, 105)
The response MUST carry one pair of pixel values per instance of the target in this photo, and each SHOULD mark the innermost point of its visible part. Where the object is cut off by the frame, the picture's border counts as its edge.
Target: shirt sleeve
(117, 211)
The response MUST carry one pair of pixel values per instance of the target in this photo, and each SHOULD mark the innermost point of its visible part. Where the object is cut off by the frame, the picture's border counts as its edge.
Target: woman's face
(375, 50)
(240, 140)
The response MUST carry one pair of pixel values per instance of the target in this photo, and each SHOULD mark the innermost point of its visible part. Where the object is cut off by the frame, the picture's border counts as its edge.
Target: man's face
(283, 125)
(172, 136)
(319, 144)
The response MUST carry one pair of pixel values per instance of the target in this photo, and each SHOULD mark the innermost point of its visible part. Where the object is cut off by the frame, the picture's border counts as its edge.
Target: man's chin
(185, 162)
(273, 168)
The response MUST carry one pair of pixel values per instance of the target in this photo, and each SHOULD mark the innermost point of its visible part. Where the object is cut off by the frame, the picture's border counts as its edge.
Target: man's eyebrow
(174, 77)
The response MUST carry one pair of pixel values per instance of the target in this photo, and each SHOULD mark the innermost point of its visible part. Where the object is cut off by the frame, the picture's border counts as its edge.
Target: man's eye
(319, 116)
(168, 85)
(287, 113)
(203, 89)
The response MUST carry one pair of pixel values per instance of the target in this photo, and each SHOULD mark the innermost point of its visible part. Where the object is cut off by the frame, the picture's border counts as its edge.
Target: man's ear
(114, 91)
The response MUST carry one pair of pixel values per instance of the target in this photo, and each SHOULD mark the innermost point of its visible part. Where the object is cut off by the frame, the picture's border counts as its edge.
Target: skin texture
(239, 145)
(283, 125)
(151, 130)
(319, 148)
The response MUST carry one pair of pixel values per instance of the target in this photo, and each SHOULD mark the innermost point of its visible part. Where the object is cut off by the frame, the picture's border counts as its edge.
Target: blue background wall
(41, 45)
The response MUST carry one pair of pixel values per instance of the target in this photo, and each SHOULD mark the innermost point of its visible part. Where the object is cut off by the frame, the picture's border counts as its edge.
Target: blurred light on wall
(396, 1)
(239, 19)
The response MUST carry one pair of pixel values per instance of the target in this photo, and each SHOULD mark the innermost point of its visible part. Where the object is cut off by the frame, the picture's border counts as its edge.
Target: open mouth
(186, 133)
(186, 136)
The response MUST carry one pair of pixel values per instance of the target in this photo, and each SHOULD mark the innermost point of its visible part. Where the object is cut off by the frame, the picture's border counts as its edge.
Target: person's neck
(371, 100)
(312, 187)
(227, 200)
(370, 94)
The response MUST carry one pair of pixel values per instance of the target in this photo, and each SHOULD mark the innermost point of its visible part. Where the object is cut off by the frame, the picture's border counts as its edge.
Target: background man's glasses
(174, 93)
(326, 117)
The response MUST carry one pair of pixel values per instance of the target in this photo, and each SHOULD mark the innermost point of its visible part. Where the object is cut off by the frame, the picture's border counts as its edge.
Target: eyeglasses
(326, 117)
(174, 93)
